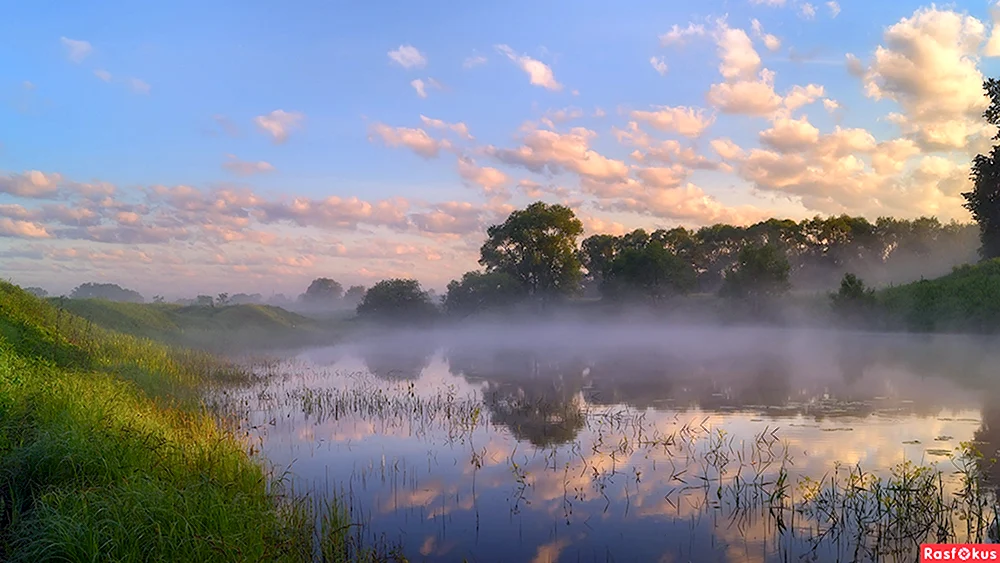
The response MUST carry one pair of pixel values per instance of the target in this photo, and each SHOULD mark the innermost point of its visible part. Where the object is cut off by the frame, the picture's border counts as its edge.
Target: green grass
(215, 328)
(967, 300)
(104, 454)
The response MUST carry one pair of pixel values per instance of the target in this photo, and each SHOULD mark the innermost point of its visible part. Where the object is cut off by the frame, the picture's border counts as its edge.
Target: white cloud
(800, 96)
(807, 11)
(419, 86)
(772, 3)
(748, 97)
(831, 105)
(103, 75)
(687, 121)
(929, 65)
(738, 59)
(669, 151)
(757, 97)
(596, 225)
(76, 50)
(678, 35)
(408, 57)
(555, 152)
(790, 135)
(834, 8)
(539, 73)
(687, 203)
(279, 124)
(770, 41)
(474, 61)
(659, 65)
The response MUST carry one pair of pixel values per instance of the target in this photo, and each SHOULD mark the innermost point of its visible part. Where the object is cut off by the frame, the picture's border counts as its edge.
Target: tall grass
(105, 454)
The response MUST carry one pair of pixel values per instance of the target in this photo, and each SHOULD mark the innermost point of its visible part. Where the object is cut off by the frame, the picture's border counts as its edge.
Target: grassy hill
(105, 456)
(967, 300)
(216, 328)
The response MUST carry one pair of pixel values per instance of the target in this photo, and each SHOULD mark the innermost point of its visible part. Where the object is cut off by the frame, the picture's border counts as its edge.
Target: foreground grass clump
(967, 300)
(103, 457)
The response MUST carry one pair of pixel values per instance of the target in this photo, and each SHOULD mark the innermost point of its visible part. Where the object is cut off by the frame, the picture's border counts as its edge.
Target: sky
(185, 148)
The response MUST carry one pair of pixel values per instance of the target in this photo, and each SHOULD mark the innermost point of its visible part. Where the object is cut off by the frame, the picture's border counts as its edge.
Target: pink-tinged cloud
(31, 184)
(686, 121)
(279, 124)
(493, 182)
(22, 229)
(554, 152)
(416, 140)
(539, 73)
(459, 128)
(246, 168)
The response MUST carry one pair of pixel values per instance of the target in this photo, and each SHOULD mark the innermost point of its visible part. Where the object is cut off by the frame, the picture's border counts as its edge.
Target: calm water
(625, 445)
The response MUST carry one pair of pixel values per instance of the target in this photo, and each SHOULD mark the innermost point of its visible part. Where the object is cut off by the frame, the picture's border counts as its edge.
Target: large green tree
(596, 254)
(760, 272)
(984, 199)
(478, 291)
(651, 272)
(537, 247)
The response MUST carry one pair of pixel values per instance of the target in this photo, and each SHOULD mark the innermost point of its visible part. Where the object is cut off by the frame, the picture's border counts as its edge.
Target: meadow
(106, 453)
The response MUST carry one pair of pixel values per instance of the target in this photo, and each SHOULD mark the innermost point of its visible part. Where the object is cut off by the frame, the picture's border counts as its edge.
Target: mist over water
(623, 441)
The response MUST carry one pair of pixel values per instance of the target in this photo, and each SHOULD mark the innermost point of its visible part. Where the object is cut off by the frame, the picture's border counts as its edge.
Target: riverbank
(105, 453)
(224, 329)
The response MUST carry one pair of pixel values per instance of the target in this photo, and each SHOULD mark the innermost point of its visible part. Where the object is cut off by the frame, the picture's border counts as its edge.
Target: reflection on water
(532, 451)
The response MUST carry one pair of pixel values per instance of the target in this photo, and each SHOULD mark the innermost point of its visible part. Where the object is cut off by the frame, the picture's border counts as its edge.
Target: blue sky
(174, 95)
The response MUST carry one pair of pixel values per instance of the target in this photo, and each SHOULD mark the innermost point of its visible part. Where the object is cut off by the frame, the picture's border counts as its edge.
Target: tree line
(535, 258)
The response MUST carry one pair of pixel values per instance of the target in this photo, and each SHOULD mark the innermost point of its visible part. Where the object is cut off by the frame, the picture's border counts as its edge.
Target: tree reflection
(539, 401)
(396, 362)
(987, 442)
(645, 378)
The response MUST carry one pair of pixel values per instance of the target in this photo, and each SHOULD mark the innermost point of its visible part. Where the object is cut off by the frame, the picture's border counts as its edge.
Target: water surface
(627, 445)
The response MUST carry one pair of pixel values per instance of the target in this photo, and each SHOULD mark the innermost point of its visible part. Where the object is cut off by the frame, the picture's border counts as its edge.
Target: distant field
(233, 326)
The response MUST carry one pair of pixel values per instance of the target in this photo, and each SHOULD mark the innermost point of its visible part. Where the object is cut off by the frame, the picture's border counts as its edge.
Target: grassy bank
(967, 300)
(223, 328)
(104, 454)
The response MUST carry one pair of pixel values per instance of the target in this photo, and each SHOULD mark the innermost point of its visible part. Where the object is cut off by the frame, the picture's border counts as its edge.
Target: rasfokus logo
(959, 552)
